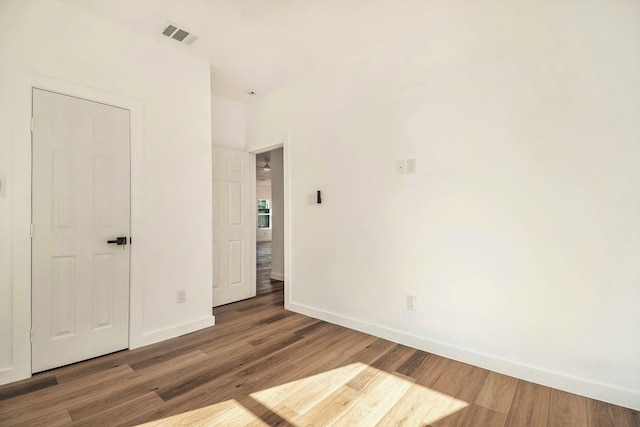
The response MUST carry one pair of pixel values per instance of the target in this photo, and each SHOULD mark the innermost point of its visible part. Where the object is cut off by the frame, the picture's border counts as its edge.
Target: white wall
(54, 46)
(277, 234)
(6, 211)
(227, 121)
(263, 191)
(520, 232)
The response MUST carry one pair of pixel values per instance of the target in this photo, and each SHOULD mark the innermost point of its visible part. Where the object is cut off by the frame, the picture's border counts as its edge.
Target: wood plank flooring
(264, 282)
(261, 365)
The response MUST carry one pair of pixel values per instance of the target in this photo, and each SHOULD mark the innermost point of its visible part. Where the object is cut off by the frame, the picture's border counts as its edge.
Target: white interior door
(232, 226)
(80, 283)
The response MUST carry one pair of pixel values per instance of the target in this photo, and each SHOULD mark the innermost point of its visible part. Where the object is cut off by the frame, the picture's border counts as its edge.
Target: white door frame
(119, 102)
(287, 216)
(20, 117)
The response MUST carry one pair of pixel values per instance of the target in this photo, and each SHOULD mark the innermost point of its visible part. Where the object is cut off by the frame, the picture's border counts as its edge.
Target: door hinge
(31, 231)
(32, 127)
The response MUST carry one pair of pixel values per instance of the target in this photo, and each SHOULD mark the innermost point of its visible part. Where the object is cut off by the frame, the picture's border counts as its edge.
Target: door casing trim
(19, 115)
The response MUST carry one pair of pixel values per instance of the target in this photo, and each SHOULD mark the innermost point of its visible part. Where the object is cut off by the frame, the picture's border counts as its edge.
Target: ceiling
(261, 45)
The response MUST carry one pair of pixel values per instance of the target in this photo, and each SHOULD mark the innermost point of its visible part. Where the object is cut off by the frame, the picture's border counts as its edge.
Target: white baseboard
(153, 337)
(604, 392)
(277, 276)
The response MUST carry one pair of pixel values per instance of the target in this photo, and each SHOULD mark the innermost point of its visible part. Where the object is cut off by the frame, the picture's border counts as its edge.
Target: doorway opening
(269, 222)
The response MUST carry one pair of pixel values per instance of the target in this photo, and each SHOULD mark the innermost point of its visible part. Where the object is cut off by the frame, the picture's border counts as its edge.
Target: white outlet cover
(411, 165)
(182, 297)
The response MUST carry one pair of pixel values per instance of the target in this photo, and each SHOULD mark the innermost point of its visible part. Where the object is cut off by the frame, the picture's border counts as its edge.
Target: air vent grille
(178, 34)
(169, 30)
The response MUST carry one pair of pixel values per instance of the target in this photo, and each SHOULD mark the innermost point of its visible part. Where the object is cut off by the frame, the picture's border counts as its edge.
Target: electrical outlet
(411, 165)
(181, 296)
(411, 302)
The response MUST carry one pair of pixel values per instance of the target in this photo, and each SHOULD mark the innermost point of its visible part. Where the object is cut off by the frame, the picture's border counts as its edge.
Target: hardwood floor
(262, 365)
(264, 282)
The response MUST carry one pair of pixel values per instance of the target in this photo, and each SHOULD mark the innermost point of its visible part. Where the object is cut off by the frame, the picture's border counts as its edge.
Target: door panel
(235, 192)
(63, 302)
(102, 192)
(231, 226)
(80, 284)
(104, 287)
(236, 256)
(61, 189)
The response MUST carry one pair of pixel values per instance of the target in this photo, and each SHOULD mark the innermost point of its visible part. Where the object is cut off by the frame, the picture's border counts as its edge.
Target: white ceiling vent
(183, 36)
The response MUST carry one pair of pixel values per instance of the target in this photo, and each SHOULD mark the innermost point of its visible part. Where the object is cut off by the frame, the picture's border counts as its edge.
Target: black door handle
(119, 241)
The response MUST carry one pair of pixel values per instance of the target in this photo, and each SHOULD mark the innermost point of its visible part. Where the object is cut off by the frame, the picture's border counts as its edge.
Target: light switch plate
(3, 185)
(400, 167)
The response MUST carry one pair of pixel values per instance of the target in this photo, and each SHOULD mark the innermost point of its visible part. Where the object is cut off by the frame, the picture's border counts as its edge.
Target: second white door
(232, 279)
(80, 281)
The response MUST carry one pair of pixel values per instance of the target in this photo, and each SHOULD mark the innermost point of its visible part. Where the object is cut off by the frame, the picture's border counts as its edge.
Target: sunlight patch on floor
(227, 413)
(356, 394)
